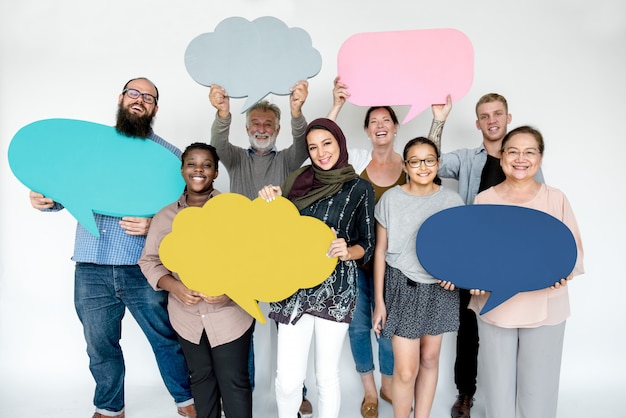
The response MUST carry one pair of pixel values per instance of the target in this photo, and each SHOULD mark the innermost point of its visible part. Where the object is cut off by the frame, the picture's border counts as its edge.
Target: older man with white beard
(260, 164)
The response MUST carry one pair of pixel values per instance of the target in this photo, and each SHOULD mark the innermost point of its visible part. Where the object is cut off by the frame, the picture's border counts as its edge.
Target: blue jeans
(360, 331)
(101, 296)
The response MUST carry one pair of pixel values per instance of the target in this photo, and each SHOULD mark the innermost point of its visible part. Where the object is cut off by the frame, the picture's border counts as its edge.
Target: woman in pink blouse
(213, 331)
(521, 340)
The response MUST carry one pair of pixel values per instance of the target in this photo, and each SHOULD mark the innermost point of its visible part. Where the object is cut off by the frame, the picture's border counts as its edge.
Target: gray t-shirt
(402, 214)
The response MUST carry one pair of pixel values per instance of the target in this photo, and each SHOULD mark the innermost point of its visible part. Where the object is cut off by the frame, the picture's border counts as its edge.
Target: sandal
(369, 410)
(384, 397)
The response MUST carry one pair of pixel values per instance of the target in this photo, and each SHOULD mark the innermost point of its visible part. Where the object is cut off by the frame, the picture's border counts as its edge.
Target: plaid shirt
(114, 247)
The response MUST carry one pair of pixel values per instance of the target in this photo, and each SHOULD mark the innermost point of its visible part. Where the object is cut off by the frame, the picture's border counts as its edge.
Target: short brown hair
(492, 97)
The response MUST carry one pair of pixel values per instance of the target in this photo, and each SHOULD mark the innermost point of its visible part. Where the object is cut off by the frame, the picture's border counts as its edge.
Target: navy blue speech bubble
(498, 248)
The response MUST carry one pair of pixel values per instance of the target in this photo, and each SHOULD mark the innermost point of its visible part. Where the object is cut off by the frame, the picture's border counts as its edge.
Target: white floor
(50, 378)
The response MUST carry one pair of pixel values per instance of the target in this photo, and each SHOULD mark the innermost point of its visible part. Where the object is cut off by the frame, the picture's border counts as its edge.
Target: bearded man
(108, 280)
(249, 169)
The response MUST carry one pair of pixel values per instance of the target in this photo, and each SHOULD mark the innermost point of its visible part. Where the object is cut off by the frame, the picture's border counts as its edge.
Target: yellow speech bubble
(249, 250)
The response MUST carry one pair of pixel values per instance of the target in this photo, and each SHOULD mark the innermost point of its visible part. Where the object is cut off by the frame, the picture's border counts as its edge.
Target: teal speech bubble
(91, 168)
(253, 58)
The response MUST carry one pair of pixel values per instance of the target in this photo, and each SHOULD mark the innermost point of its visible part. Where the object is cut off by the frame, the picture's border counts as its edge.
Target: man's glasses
(416, 162)
(134, 94)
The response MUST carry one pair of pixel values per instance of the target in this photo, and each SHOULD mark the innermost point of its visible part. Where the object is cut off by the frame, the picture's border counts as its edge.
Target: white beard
(263, 146)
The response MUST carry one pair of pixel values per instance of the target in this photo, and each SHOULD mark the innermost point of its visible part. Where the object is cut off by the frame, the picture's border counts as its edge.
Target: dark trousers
(466, 364)
(220, 372)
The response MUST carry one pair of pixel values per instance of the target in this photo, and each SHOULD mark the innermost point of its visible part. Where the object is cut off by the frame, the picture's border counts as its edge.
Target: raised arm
(298, 96)
(297, 153)
(440, 114)
(221, 125)
(340, 94)
(220, 130)
(220, 100)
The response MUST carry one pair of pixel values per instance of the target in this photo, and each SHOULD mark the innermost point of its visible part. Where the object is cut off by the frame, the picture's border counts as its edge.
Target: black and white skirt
(416, 309)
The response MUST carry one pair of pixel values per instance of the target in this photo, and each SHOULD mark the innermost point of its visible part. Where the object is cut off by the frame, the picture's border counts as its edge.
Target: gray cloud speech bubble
(252, 59)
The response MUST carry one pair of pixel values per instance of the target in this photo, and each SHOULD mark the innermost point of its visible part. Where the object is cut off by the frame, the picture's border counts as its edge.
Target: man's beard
(130, 124)
(268, 144)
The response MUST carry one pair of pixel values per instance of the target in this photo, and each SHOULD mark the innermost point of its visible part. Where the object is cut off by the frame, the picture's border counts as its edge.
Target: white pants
(293, 346)
(519, 370)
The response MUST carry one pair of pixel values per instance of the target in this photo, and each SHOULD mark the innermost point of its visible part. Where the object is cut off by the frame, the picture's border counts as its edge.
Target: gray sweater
(247, 170)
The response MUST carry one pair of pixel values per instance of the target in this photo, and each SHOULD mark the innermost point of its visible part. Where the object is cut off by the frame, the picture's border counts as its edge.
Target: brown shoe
(187, 411)
(461, 408)
(99, 415)
(306, 408)
(369, 409)
(384, 396)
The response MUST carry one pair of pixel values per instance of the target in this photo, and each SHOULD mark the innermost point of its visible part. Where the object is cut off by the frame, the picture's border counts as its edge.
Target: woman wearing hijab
(329, 190)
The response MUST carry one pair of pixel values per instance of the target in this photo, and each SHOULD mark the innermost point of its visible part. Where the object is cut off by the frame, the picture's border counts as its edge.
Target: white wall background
(560, 63)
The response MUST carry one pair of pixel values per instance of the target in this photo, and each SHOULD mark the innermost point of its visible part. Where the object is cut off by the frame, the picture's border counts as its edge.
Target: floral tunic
(351, 213)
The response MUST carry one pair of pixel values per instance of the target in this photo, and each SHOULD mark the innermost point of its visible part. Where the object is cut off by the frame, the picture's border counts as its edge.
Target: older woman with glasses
(521, 340)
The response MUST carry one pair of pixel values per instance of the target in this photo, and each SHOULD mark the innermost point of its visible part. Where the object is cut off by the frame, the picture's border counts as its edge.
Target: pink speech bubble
(412, 67)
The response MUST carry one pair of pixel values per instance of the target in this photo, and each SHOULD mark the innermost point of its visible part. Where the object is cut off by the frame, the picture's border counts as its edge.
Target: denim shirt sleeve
(465, 166)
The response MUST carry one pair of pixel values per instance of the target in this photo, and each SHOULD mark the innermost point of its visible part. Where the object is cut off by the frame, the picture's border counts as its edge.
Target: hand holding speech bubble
(252, 59)
(90, 168)
(413, 67)
(249, 250)
(499, 248)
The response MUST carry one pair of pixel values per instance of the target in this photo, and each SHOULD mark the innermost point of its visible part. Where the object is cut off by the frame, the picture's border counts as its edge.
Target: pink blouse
(540, 307)
(223, 322)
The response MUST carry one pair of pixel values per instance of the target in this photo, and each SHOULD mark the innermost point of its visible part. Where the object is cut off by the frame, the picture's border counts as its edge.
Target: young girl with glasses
(413, 308)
